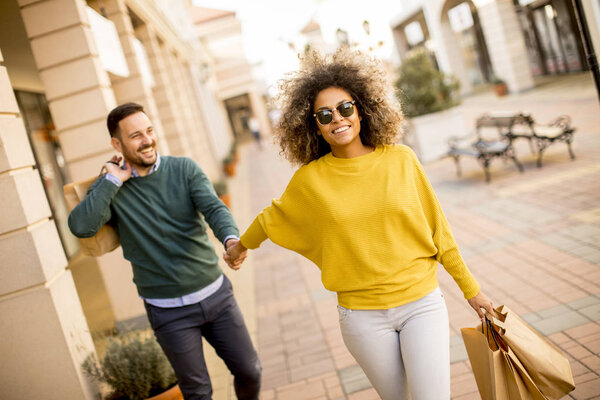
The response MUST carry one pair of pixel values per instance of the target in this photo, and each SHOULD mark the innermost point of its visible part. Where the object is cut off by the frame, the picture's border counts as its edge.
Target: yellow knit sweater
(372, 224)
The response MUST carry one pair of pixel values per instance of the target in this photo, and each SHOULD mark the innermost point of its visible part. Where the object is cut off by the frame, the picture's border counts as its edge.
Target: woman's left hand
(481, 301)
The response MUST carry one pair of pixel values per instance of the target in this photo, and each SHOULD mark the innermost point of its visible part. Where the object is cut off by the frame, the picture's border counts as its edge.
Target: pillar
(506, 44)
(206, 156)
(164, 94)
(133, 88)
(80, 97)
(45, 337)
(447, 50)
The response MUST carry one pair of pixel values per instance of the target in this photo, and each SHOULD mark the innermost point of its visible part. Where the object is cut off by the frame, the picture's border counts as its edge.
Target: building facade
(482, 40)
(64, 65)
(220, 32)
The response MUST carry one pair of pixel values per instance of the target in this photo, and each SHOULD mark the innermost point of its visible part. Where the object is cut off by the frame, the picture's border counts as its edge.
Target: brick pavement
(532, 240)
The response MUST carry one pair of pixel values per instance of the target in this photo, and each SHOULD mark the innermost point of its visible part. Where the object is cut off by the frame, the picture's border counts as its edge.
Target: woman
(364, 212)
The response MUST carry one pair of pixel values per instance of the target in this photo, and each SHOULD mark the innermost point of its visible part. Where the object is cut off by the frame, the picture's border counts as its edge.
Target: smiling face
(342, 133)
(136, 141)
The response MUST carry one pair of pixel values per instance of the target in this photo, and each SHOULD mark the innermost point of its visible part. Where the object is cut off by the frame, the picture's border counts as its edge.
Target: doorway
(552, 37)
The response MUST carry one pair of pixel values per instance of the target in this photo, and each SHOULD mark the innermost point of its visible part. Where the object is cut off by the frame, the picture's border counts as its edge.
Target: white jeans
(404, 351)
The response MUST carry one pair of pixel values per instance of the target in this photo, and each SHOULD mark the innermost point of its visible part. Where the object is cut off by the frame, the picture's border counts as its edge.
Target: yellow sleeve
(289, 221)
(254, 235)
(448, 254)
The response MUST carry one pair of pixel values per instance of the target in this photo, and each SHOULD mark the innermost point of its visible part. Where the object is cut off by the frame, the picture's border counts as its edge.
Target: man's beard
(136, 159)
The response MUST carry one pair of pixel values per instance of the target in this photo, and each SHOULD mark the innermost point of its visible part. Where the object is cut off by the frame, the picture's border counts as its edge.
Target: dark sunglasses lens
(346, 109)
(324, 117)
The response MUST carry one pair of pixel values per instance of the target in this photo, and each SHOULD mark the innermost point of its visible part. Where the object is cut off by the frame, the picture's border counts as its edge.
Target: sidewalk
(532, 240)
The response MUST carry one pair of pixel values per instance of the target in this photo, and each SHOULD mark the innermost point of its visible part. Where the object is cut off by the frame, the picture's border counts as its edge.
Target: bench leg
(486, 170)
(517, 163)
(571, 154)
(541, 145)
(458, 170)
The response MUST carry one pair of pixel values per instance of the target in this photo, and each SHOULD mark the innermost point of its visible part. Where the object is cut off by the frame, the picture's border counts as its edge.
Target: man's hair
(119, 113)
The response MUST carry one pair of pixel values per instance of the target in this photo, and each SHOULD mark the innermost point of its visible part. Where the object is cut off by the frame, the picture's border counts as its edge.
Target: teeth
(338, 130)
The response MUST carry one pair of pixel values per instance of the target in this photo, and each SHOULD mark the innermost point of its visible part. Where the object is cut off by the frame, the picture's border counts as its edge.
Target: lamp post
(587, 42)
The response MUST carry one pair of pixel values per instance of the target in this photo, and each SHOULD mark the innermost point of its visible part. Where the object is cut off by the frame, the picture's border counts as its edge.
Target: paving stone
(554, 311)
(531, 318)
(584, 302)
(560, 323)
(458, 353)
(353, 379)
(592, 312)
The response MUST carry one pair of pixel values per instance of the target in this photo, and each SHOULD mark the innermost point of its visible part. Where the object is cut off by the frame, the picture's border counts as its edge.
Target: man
(155, 204)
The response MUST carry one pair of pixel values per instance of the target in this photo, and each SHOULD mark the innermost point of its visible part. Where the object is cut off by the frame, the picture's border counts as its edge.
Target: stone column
(206, 152)
(133, 88)
(181, 103)
(80, 97)
(446, 49)
(506, 44)
(45, 337)
(164, 94)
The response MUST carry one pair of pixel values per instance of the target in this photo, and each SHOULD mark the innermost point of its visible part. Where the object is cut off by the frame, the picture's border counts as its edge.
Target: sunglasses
(345, 109)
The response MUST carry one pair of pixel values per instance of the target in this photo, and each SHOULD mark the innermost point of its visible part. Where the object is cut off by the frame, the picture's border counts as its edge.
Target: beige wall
(45, 337)
(222, 39)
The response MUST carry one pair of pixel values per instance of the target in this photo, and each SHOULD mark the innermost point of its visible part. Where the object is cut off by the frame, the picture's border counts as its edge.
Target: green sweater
(158, 220)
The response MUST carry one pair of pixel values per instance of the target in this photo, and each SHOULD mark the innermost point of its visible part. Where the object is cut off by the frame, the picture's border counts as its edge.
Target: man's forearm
(94, 210)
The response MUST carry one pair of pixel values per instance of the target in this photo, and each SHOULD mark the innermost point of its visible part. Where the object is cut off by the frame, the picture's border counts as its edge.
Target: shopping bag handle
(492, 331)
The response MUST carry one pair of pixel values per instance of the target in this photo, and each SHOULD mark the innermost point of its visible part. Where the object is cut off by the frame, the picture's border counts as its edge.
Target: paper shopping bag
(107, 238)
(546, 364)
(487, 365)
(497, 374)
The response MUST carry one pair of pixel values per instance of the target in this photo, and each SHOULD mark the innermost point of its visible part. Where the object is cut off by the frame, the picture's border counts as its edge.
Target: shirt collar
(135, 174)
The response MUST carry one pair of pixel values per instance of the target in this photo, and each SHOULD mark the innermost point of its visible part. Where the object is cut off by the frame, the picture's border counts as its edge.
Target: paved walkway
(532, 240)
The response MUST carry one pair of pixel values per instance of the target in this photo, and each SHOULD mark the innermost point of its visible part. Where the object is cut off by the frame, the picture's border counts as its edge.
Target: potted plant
(229, 165)
(222, 191)
(230, 161)
(135, 368)
(428, 98)
(499, 86)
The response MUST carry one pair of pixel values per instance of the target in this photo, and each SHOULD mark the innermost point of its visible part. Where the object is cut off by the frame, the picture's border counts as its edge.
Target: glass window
(49, 159)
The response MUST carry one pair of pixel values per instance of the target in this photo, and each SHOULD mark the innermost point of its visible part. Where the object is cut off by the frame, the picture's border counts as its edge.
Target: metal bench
(483, 146)
(559, 130)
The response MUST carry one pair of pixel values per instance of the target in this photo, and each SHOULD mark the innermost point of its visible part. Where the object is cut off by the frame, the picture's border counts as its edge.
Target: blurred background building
(513, 40)
(64, 65)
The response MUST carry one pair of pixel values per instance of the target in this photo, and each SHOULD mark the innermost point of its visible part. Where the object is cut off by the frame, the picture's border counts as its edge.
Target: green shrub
(220, 187)
(422, 88)
(134, 366)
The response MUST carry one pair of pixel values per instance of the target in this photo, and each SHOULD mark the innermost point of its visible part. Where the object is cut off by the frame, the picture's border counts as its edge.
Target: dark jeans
(179, 332)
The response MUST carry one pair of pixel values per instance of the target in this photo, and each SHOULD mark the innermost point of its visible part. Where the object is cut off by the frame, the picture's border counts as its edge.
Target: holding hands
(236, 253)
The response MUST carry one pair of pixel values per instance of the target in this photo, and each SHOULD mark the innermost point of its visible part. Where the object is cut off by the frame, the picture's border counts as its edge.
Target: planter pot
(229, 169)
(429, 134)
(226, 198)
(500, 89)
(172, 394)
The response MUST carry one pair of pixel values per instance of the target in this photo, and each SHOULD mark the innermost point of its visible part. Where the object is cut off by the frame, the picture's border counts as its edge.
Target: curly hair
(358, 74)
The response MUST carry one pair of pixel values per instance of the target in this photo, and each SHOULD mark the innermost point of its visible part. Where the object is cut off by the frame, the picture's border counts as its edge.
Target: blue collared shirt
(191, 298)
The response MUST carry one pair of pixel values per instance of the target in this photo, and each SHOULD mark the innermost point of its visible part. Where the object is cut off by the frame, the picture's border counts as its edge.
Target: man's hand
(112, 167)
(481, 301)
(236, 253)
